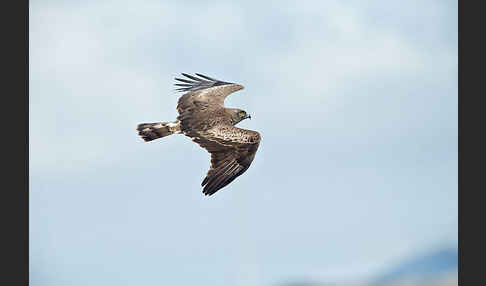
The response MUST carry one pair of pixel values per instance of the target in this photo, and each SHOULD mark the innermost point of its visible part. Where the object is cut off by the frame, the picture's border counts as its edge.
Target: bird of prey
(204, 118)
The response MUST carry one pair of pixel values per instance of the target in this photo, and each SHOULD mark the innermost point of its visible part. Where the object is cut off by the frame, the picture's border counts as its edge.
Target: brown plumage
(204, 118)
(152, 131)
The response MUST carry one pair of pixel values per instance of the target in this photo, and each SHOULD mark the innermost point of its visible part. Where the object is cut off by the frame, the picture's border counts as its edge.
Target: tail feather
(152, 131)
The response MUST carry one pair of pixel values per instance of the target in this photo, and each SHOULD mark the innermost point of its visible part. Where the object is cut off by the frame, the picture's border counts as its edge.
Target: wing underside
(232, 151)
(202, 118)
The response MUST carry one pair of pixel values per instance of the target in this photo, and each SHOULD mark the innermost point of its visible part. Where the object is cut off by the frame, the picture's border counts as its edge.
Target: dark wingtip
(192, 83)
(210, 190)
(204, 182)
(191, 77)
(206, 77)
(208, 193)
(185, 80)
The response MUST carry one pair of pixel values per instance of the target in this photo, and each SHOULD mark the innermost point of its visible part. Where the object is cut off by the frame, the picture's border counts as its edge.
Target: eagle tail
(152, 131)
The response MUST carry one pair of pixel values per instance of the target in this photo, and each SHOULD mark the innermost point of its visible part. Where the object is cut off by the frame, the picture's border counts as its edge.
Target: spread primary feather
(204, 118)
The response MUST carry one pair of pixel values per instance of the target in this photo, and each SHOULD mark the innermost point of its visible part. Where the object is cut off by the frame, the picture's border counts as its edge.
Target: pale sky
(356, 103)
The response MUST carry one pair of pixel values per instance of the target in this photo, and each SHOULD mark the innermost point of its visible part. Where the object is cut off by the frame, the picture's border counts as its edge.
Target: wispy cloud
(356, 103)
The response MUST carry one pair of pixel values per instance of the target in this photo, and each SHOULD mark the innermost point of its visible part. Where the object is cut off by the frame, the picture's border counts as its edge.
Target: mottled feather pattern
(152, 131)
(231, 155)
(204, 118)
(229, 133)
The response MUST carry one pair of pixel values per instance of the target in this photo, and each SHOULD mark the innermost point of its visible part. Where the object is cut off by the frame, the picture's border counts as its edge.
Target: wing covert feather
(203, 118)
(231, 155)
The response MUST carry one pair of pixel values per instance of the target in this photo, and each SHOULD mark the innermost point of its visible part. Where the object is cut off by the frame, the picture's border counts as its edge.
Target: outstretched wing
(202, 106)
(203, 96)
(232, 150)
(193, 83)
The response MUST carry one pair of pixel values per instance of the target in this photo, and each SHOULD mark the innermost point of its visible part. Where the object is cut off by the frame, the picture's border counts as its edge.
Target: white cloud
(372, 93)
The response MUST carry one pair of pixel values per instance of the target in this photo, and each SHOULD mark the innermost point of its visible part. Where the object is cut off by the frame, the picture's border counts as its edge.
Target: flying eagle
(204, 118)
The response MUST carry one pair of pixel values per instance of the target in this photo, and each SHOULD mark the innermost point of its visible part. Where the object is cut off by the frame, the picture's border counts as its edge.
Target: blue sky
(356, 103)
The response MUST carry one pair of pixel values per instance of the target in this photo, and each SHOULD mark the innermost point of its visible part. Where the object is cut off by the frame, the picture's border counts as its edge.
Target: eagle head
(238, 115)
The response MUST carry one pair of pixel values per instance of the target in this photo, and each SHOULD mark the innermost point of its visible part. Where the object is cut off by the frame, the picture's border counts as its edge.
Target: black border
(15, 117)
(470, 121)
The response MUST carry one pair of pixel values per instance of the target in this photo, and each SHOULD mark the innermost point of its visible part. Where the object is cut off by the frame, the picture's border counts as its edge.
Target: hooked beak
(249, 116)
